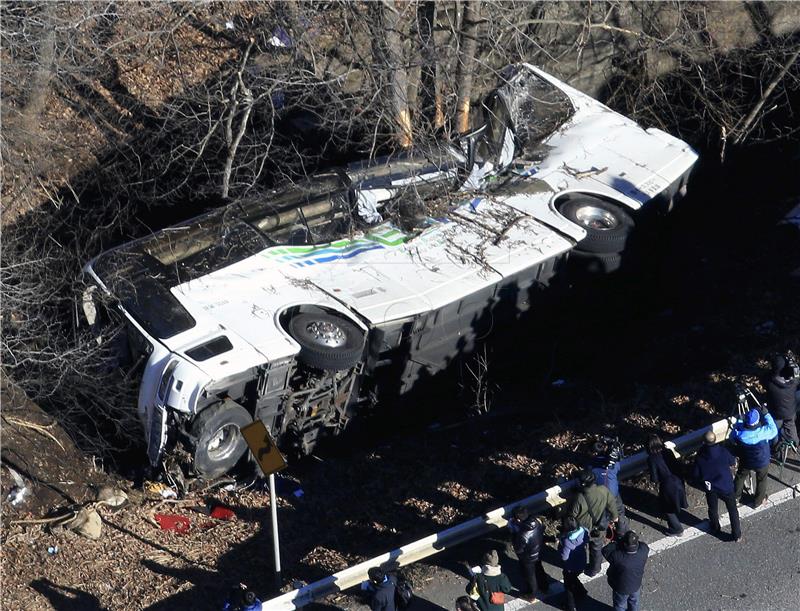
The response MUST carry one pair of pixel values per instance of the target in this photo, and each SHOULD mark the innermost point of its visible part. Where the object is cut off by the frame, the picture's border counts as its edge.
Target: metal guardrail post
(476, 527)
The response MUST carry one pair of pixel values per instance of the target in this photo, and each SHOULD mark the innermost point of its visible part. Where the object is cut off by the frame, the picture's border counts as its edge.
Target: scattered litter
(222, 513)
(280, 38)
(18, 492)
(52, 550)
(17, 495)
(285, 487)
(559, 382)
(86, 522)
(113, 497)
(230, 487)
(180, 524)
(159, 489)
(229, 25)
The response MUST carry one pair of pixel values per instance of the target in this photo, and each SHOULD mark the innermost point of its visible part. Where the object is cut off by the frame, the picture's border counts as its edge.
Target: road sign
(263, 449)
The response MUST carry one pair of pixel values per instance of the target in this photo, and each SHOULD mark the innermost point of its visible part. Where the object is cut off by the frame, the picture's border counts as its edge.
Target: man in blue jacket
(752, 434)
(712, 471)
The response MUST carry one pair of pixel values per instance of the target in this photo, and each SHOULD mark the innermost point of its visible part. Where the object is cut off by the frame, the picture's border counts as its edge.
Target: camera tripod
(744, 395)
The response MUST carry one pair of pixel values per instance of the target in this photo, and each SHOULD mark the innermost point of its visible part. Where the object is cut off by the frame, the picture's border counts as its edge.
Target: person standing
(752, 434)
(591, 508)
(491, 584)
(527, 538)
(605, 465)
(382, 587)
(664, 469)
(782, 396)
(572, 545)
(627, 558)
(712, 470)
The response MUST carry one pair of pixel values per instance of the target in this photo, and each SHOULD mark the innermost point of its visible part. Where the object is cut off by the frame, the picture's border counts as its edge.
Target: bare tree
(468, 45)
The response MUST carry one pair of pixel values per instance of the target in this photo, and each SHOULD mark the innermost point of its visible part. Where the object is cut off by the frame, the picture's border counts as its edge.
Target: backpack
(403, 592)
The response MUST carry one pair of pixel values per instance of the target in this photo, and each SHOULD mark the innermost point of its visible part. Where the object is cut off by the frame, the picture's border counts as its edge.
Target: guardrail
(476, 527)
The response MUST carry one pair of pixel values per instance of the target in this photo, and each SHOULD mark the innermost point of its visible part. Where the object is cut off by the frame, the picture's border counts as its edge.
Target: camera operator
(781, 396)
(605, 464)
(752, 434)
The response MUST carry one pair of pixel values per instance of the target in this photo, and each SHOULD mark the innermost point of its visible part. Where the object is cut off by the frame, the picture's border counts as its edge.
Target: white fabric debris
(368, 204)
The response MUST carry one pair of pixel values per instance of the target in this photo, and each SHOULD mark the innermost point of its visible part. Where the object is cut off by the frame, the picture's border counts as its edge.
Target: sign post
(270, 461)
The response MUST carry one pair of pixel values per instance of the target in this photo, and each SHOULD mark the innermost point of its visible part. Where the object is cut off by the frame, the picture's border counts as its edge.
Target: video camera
(792, 370)
(611, 447)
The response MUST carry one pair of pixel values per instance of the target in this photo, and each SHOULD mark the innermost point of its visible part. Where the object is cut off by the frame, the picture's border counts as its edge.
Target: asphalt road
(696, 571)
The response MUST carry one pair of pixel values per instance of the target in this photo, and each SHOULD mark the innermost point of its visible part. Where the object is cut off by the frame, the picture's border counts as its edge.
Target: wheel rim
(326, 333)
(223, 442)
(597, 218)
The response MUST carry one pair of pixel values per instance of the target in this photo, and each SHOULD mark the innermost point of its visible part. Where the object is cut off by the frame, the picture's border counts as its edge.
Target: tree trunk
(398, 77)
(468, 45)
(430, 95)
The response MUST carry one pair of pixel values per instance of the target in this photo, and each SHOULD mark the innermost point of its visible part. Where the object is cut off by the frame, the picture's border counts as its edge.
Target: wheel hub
(596, 218)
(326, 334)
(222, 443)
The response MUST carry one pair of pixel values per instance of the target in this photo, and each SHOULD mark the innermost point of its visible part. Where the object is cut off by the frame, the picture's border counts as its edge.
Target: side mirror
(468, 142)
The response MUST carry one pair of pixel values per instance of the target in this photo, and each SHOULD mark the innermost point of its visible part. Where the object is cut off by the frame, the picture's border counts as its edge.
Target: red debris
(180, 524)
(222, 513)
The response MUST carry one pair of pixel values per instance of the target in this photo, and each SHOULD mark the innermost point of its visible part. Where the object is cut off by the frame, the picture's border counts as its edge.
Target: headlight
(165, 380)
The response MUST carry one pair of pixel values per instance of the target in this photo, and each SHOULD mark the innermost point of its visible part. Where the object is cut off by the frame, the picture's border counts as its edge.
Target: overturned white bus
(293, 308)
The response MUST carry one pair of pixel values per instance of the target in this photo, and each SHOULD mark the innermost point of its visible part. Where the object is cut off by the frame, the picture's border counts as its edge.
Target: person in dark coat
(490, 580)
(752, 434)
(627, 558)
(382, 586)
(527, 539)
(664, 469)
(572, 544)
(592, 507)
(712, 471)
(782, 397)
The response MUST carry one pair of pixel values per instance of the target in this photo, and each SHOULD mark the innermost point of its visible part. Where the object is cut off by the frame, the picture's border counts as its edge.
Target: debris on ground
(159, 490)
(222, 513)
(172, 522)
(86, 522)
(16, 495)
(113, 497)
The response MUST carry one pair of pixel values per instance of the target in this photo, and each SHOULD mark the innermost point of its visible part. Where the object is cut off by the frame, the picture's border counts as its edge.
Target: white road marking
(557, 587)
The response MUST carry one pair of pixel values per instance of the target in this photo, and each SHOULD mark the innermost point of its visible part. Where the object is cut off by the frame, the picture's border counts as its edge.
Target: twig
(767, 92)
(40, 428)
